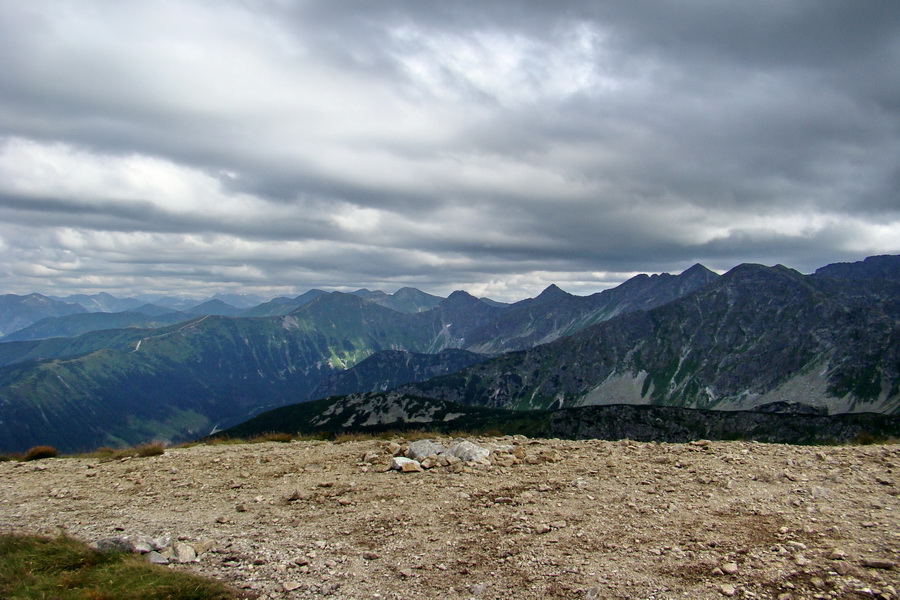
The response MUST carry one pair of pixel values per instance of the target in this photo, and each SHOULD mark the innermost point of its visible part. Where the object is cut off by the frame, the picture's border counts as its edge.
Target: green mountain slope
(181, 381)
(79, 324)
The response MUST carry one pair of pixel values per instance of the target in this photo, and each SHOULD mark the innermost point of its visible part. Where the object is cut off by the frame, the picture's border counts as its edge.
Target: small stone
(503, 500)
(550, 456)
(301, 561)
(542, 528)
(241, 508)
(142, 547)
(156, 558)
(394, 448)
(727, 589)
(504, 461)
(406, 573)
(837, 554)
(369, 555)
(729, 568)
(161, 543)
(801, 561)
(842, 568)
(878, 563)
(405, 465)
(345, 501)
(558, 524)
(370, 457)
(204, 546)
(185, 553)
(290, 586)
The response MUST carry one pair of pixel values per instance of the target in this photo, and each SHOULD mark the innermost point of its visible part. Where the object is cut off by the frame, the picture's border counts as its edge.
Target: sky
(198, 146)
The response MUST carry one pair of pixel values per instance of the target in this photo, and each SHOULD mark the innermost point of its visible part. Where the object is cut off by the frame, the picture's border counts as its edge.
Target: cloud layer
(196, 146)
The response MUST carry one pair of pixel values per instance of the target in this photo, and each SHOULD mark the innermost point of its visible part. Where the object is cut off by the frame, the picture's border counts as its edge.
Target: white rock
(156, 558)
(729, 568)
(469, 452)
(185, 553)
(421, 449)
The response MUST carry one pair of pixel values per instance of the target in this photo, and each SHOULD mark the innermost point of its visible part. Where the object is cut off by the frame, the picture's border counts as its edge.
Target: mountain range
(752, 337)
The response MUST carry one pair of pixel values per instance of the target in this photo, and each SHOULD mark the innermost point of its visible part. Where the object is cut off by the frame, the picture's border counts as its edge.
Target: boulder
(185, 553)
(469, 452)
(421, 449)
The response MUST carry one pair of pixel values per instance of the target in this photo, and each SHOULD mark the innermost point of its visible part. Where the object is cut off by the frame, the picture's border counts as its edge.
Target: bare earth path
(583, 519)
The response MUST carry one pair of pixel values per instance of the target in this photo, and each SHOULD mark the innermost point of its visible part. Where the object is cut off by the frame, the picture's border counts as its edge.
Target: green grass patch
(62, 568)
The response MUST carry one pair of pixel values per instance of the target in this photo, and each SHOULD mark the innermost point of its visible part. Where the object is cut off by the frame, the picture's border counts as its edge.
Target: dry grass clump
(142, 451)
(284, 438)
(39, 452)
(152, 449)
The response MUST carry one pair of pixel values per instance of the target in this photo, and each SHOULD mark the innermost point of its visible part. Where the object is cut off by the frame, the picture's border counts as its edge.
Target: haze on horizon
(197, 147)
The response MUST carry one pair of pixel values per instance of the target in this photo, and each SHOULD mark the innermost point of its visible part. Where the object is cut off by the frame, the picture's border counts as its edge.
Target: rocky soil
(546, 519)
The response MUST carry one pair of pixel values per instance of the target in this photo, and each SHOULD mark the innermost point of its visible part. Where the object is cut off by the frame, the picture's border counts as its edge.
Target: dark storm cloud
(495, 146)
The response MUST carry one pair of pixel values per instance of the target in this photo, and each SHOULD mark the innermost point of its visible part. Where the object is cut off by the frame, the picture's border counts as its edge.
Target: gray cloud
(498, 147)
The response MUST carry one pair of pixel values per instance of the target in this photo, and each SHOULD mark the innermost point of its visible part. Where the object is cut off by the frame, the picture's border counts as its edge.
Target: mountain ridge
(752, 336)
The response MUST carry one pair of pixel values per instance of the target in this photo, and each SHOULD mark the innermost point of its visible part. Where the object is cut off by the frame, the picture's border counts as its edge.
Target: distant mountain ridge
(130, 385)
(17, 312)
(756, 335)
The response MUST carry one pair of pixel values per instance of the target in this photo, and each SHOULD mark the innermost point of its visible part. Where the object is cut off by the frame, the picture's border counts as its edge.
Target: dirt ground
(565, 519)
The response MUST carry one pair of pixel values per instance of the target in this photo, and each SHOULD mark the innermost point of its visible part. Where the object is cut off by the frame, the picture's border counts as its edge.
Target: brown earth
(582, 519)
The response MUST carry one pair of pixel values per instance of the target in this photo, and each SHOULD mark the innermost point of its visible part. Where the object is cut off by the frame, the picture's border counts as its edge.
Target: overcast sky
(199, 146)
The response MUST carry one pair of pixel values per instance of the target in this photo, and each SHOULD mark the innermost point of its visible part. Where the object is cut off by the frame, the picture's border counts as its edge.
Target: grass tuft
(64, 569)
(146, 450)
(39, 452)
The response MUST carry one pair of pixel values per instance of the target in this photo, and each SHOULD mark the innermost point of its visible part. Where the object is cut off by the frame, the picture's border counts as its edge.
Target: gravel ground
(564, 519)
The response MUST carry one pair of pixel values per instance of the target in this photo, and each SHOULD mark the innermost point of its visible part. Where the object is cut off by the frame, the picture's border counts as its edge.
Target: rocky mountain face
(555, 314)
(389, 368)
(756, 335)
(874, 267)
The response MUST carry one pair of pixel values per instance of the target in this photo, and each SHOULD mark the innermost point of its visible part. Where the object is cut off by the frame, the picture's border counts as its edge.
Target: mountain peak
(552, 292)
(462, 296)
(874, 267)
